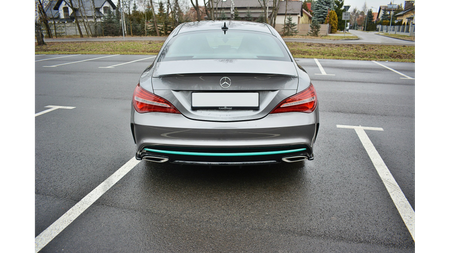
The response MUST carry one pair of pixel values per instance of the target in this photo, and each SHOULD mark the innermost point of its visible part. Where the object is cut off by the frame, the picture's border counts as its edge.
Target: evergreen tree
(315, 28)
(162, 18)
(333, 21)
(305, 7)
(261, 18)
(111, 25)
(385, 16)
(248, 15)
(320, 9)
(370, 26)
(236, 14)
(137, 21)
(178, 14)
(222, 16)
(339, 9)
(290, 28)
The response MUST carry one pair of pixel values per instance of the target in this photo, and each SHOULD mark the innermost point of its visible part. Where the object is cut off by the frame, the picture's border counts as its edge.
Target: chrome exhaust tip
(155, 159)
(294, 159)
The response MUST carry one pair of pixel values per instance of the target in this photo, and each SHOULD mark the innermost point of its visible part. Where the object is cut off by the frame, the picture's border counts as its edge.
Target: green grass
(399, 36)
(353, 51)
(110, 47)
(298, 49)
(348, 36)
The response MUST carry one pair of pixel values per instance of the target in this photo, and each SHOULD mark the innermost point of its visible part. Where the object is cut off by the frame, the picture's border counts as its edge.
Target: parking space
(359, 71)
(92, 196)
(101, 61)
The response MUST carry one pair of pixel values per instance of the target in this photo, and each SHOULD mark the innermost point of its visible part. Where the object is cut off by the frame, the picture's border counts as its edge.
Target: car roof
(213, 25)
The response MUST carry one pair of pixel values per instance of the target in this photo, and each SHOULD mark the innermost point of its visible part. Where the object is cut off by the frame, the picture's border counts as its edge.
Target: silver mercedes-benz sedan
(224, 93)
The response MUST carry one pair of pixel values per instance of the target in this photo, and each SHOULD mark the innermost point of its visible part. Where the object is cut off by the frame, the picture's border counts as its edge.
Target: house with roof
(386, 10)
(403, 17)
(375, 16)
(407, 16)
(402, 21)
(243, 7)
(253, 8)
(64, 11)
(192, 13)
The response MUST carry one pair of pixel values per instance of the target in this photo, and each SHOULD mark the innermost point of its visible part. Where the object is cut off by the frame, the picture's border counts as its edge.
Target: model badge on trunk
(225, 82)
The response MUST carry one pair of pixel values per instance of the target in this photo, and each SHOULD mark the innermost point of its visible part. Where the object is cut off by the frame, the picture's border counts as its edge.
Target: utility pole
(391, 7)
(124, 27)
(365, 23)
(122, 18)
(145, 17)
(346, 16)
(232, 10)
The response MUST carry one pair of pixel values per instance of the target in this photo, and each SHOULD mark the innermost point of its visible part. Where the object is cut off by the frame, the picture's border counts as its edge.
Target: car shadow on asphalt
(280, 175)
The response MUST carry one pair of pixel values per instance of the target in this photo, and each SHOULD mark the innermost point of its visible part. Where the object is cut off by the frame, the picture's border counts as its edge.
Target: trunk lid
(225, 80)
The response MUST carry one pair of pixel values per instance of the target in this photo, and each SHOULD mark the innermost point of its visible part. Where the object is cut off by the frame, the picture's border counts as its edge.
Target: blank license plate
(225, 100)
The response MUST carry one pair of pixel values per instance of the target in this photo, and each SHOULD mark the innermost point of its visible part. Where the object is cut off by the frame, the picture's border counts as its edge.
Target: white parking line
(57, 57)
(403, 206)
(52, 108)
(59, 225)
(322, 71)
(120, 64)
(67, 63)
(395, 71)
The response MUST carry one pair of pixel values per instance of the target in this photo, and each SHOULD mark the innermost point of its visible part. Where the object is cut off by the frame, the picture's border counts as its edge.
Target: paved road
(336, 203)
(373, 38)
(364, 38)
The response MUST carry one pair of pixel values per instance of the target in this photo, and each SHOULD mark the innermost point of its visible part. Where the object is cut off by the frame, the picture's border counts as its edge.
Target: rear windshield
(217, 45)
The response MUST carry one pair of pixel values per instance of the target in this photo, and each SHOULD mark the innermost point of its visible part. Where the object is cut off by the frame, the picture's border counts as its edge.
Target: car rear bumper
(236, 157)
(284, 137)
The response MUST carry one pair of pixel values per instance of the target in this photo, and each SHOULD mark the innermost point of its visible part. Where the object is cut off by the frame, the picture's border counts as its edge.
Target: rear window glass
(217, 45)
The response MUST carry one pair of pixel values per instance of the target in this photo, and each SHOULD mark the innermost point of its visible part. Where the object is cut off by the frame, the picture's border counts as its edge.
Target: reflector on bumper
(225, 154)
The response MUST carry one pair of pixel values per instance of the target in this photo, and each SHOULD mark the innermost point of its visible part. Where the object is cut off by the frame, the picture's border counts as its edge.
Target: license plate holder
(225, 100)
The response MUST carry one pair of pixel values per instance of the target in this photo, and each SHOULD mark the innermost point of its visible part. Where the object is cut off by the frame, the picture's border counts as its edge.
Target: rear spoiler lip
(267, 67)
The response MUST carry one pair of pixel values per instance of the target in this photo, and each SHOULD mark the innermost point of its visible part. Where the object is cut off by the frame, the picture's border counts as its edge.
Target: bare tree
(354, 16)
(39, 35)
(197, 9)
(178, 13)
(273, 17)
(87, 28)
(76, 19)
(43, 18)
(209, 9)
(95, 19)
(364, 8)
(271, 20)
(264, 6)
(364, 11)
(154, 18)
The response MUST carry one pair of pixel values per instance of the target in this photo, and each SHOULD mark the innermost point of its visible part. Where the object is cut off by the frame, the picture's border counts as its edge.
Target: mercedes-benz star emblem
(225, 82)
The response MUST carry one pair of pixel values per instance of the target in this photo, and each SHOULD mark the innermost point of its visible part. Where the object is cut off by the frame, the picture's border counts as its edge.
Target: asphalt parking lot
(358, 195)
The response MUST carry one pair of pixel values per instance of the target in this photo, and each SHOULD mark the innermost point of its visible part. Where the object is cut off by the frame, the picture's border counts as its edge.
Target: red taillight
(144, 101)
(305, 101)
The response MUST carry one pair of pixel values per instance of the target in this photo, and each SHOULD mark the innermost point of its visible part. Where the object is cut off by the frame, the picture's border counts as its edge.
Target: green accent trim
(225, 154)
